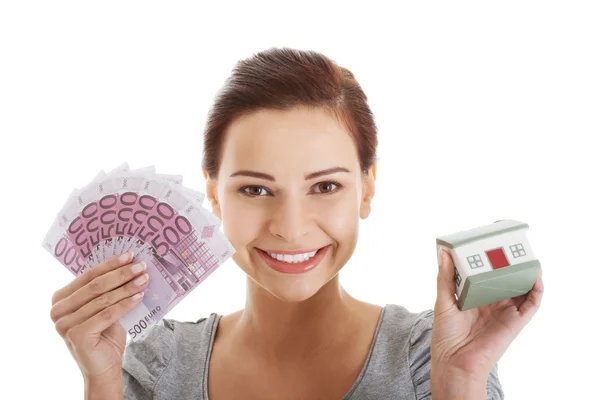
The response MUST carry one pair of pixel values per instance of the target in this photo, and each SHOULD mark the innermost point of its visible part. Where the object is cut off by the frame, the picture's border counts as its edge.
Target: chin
(290, 291)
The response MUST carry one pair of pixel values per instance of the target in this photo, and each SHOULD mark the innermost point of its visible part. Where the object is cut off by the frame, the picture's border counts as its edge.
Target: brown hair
(283, 78)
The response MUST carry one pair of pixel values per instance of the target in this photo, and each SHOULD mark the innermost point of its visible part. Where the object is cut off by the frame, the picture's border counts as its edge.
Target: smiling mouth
(293, 262)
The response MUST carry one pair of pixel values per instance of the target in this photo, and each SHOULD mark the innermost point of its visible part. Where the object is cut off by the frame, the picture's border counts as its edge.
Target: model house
(492, 262)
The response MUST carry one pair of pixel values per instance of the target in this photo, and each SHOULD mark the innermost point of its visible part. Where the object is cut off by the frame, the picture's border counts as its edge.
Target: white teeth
(293, 259)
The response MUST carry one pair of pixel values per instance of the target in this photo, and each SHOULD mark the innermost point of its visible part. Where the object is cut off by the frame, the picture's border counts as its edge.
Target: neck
(280, 329)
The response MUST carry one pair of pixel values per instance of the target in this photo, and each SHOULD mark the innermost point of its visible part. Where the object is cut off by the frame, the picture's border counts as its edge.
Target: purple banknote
(155, 217)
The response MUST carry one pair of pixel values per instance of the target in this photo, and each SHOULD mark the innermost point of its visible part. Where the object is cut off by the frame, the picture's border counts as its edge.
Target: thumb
(445, 281)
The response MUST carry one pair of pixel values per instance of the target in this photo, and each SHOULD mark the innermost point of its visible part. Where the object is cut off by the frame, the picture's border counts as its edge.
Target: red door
(497, 258)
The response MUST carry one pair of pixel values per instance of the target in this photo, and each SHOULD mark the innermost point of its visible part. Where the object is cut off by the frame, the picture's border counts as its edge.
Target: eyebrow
(312, 175)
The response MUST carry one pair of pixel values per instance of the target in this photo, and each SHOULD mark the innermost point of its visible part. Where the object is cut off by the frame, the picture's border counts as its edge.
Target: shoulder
(390, 365)
(405, 325)
(146, 360)
(414, 330)
(399, 316)
(405, 334)
(398, 327)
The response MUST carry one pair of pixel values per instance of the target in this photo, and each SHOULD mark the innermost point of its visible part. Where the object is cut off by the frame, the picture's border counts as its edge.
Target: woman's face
(290, 182)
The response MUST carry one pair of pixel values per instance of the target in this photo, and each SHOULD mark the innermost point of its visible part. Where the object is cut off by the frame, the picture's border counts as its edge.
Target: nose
(290, 220)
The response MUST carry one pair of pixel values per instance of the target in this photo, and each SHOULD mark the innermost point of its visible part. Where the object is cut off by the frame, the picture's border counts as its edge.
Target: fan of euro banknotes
(162, 222)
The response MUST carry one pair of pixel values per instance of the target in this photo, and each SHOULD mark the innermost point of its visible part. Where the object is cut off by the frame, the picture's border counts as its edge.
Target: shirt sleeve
(420, 361)
(146, 360)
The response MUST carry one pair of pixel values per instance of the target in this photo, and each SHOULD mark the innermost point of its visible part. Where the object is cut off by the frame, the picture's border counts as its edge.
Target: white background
(485, 112)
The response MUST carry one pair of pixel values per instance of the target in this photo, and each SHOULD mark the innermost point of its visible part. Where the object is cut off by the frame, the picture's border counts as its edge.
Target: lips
(294, 268)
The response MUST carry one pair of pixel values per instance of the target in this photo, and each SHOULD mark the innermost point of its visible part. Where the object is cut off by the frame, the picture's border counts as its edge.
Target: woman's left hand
(467, 344)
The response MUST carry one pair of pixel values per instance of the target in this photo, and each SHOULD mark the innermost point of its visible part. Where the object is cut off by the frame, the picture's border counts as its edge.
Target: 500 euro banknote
(155, 217)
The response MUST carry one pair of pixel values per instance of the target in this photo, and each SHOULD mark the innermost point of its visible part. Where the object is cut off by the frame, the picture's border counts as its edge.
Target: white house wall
(505, 240)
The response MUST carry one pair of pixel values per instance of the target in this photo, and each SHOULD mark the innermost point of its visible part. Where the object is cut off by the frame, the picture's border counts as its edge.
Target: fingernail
(141, 280)
(125, 257)
(439, 256)
(137, 296)
(138, 267)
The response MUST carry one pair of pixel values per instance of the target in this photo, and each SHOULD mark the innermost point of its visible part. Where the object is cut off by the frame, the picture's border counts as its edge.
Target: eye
(254, 191)
(261, 191)
(327, 187)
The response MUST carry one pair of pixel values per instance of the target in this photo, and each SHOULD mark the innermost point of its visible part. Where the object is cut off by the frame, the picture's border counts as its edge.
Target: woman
(290, 162)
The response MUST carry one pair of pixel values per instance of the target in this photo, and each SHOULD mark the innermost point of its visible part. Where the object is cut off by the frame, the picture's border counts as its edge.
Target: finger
(98, 304)
(93, 327)
(96, 288)
(534, 299)
(85, 278)
(445, 281)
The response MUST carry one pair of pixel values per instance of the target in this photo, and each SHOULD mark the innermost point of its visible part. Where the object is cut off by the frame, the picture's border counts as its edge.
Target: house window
(517, 250)
(457, 277)
(497, 258)
(475, 261)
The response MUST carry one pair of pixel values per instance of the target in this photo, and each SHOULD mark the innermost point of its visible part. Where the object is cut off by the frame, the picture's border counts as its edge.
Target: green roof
(472, 235)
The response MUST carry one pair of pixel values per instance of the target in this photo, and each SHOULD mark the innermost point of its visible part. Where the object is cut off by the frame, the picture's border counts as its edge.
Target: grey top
(171, 361)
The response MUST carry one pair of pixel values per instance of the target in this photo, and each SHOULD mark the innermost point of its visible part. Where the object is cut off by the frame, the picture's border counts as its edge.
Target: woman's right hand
(86, 314)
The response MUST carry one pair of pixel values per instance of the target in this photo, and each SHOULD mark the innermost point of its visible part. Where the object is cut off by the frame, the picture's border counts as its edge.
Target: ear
(211, 194)
(368, 192)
